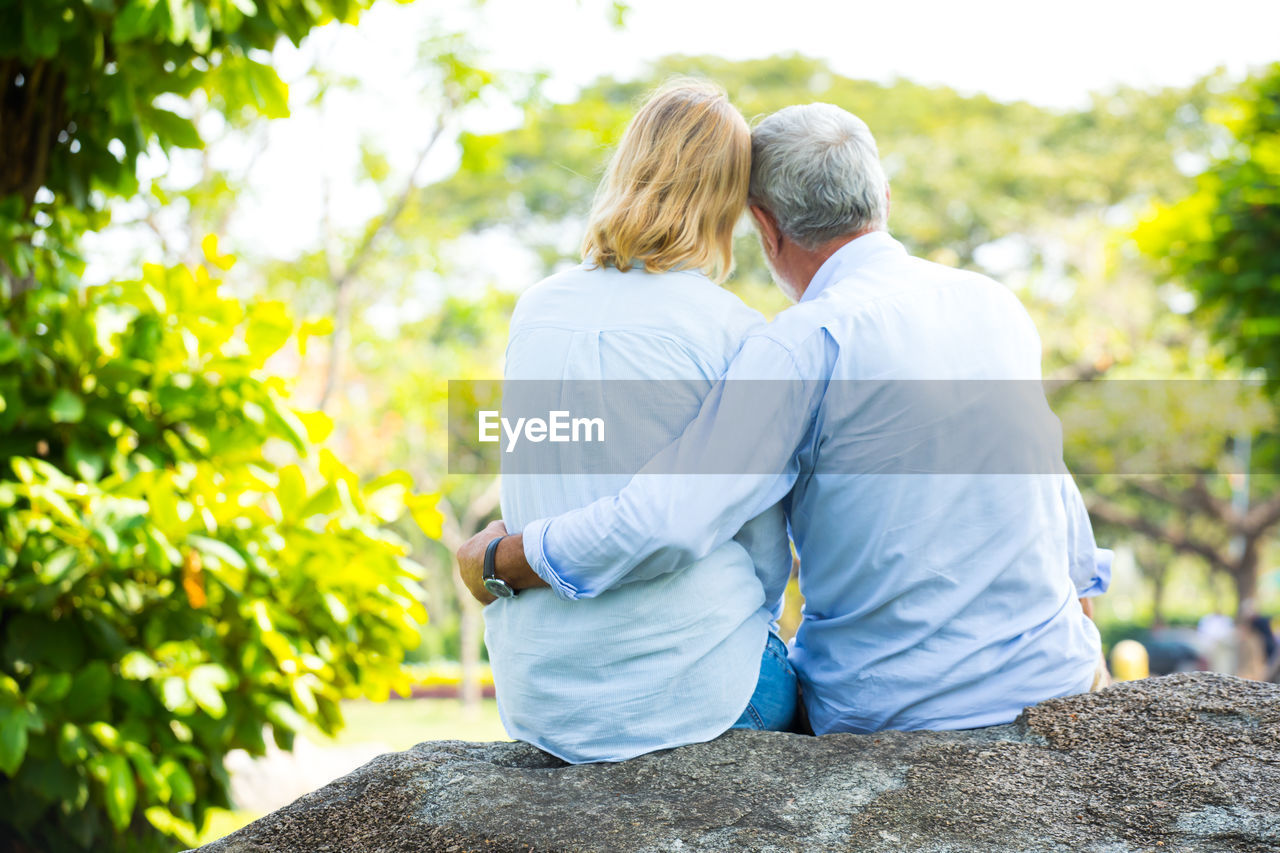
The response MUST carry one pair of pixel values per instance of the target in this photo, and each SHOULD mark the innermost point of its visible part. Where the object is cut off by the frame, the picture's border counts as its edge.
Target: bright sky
(1046, 52)
(1049, 53)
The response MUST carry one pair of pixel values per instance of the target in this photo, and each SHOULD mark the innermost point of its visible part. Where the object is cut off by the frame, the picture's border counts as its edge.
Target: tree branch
(1260, 518)
(1109, 513)
(361, 254)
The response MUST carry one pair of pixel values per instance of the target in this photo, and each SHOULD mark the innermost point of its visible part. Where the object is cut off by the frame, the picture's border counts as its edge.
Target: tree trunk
(454, 533)
(1244, 574)
(1250, 661)
(469, 652)
(1157, 597)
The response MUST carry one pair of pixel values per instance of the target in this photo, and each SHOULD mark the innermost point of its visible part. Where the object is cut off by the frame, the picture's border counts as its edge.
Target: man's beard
(787, 290)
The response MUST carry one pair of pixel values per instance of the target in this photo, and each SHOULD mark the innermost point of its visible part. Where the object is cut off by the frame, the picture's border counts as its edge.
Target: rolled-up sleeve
(1090, 566)
(536, 555)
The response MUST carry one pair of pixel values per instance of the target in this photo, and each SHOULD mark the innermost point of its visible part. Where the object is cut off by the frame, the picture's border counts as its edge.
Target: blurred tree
(1223, 240)
(172, 581)
(180, 565)
(458, 82)
(405, 417)
(85, 87)
(1219, 240)
(966, 170)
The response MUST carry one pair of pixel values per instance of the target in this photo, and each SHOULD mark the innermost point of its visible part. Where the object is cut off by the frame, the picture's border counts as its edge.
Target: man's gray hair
(815, 167)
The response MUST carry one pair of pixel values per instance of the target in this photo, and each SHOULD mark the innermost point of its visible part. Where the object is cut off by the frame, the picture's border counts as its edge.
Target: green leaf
(170, 824)
(8, 347)
(206, 683)
(88, 465)
(138, 666)
(73, 746)
(66, 407)
(134, 20)
(13, 739)
(270, 93)
(424, 509)
(180, 784)
(119, 790)
(89, 691)
(291, 491)
(52, 780)
(174, 695)
(152, 780)
(171, 129)
(285, 717)
(218, 550)
(386, 502)
(269, 328)
(49, 687)
(105, 734)
(57, 565)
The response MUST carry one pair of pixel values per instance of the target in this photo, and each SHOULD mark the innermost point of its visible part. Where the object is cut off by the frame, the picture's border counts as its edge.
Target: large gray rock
(1185, 763)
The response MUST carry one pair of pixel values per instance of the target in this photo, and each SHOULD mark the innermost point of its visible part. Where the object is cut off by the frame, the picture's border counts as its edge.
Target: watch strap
(490, 574)
(491, 559)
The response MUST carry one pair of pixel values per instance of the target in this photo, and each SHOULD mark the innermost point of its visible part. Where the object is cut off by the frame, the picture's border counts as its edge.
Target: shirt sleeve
(737, 458)
(1090, 566)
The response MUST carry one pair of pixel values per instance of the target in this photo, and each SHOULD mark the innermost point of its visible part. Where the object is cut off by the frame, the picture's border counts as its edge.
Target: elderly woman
(684, 656)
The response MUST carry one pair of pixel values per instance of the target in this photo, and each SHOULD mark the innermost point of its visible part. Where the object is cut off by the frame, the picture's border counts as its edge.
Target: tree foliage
(82, 97)
(965, 170)
(180, 566)
(1223, 240)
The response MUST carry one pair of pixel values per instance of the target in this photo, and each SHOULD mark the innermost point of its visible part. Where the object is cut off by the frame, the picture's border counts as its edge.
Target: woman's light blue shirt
(662, 661)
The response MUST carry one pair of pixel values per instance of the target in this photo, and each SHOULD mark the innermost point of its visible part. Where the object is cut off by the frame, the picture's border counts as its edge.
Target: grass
(402, 723)
(397, 724)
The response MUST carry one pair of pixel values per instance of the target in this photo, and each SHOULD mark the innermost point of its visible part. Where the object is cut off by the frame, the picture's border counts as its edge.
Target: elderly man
(936, 597)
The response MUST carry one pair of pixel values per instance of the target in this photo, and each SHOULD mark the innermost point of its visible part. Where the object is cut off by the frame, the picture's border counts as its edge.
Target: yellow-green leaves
(205, 684)
(186, 565)
(66, 407)
(115, 778)
(426, 513)
(1219, 241)
(309, 329)
(209, 247)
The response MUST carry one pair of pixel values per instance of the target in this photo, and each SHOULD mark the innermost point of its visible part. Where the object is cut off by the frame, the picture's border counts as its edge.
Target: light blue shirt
(932, 600)
(665, 660)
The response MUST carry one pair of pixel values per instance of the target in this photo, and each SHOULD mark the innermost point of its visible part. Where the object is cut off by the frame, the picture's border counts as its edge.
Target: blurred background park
(244, 245)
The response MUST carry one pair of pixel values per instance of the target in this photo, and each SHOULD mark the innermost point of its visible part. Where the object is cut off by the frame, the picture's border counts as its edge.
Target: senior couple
(630, 614)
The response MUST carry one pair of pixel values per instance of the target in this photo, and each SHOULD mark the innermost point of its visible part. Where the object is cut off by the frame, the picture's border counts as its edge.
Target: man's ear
(770, 233)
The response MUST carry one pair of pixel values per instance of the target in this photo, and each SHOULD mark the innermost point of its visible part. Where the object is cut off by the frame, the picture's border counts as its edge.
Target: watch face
(498, 587)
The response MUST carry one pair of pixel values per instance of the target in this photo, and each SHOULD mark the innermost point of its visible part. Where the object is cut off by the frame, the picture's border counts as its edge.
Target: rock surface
(1183, 763)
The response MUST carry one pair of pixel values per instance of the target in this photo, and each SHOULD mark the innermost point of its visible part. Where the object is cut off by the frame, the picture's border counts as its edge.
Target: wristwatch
(494, 584)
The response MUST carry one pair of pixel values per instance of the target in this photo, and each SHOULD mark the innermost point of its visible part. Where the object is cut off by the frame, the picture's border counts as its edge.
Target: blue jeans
(773, 706)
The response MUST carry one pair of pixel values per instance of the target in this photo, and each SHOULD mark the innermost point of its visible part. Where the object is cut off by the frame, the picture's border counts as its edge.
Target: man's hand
(471, 560)
(509, 562)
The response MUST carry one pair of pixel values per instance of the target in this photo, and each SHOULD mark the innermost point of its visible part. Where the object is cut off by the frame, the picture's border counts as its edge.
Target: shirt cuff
(1101, 580)
(535, 553)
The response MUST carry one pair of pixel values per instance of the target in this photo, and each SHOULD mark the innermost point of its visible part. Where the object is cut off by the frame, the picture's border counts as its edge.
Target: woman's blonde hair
(676, 185)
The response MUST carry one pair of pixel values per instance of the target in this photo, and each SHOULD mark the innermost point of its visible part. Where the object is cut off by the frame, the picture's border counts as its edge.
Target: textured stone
(1184, 763)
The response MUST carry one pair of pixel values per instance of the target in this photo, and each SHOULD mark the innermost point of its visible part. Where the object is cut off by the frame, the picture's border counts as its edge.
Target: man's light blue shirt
(662, 660)
(940, 601)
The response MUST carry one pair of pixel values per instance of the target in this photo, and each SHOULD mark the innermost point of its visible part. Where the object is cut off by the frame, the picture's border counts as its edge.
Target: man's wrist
(511, 565)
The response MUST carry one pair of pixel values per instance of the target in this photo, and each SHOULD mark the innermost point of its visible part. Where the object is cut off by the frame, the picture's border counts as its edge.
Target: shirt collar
(853, 254)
